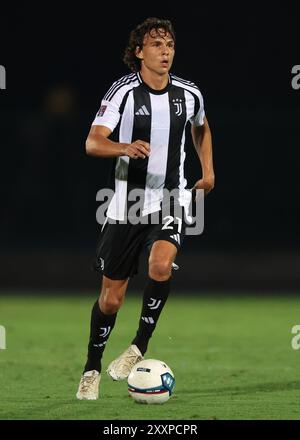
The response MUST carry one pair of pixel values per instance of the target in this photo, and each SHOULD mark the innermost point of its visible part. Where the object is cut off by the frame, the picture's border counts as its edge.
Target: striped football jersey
(132, 110)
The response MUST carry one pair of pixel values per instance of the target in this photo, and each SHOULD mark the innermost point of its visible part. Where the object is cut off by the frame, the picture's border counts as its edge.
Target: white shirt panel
(116, 209)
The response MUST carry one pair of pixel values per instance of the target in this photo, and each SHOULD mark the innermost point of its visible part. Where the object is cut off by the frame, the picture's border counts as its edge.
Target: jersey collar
(150, 90)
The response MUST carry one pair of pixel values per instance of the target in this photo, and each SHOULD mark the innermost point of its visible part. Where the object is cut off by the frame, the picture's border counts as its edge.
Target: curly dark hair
(137, 37)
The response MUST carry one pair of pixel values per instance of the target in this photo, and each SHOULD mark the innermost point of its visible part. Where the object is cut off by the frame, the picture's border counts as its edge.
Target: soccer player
(147, 112)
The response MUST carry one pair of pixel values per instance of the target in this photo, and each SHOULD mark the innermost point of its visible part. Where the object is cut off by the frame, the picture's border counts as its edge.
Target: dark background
(59, 63)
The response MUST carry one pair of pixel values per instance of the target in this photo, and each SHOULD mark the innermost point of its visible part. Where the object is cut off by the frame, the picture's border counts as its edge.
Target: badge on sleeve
(102, 110)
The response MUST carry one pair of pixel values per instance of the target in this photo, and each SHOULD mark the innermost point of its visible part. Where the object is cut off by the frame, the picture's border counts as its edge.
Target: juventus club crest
(104, 331)
(178, 106)
(155, 303)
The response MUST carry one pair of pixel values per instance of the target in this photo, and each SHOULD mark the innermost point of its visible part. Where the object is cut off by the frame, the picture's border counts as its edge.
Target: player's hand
(138, 149)
(206, 183)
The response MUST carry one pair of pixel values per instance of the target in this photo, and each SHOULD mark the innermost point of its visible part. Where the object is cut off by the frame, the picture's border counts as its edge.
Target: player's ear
(139, 52)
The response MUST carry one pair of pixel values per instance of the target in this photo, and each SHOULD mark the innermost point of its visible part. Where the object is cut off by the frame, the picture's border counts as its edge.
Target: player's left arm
(203, 143)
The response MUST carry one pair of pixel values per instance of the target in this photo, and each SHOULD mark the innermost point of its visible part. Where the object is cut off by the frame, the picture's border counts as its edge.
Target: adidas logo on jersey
(176, 237)
(142, 111)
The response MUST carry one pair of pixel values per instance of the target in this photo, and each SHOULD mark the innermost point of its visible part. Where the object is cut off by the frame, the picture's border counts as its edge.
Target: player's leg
(156, 291)
(103, 317)
(163, 252)
(117, 255)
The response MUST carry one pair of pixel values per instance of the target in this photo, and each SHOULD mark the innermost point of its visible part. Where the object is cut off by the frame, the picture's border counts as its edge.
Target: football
(151, 381)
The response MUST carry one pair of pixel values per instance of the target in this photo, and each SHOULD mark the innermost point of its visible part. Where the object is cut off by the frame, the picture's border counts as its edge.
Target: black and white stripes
(159, 117)
(117, 85)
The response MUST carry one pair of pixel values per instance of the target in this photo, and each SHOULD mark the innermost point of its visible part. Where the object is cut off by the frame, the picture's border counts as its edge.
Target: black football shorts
(120, 244)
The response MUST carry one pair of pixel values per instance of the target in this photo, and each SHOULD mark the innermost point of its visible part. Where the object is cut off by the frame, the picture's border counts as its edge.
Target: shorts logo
(102, 110)
(176, 237)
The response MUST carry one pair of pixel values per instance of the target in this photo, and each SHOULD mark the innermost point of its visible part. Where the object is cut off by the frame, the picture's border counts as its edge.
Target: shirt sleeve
(108, 114)
(198, 118)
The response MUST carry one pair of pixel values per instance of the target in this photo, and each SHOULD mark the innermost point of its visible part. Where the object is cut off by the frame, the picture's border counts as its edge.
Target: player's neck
(155, 81)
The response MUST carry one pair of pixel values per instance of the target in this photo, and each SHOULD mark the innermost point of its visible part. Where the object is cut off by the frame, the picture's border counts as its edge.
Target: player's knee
(110, 302)
(160, 270)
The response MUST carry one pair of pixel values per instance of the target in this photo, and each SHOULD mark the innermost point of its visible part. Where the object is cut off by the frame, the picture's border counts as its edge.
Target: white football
(151, 381)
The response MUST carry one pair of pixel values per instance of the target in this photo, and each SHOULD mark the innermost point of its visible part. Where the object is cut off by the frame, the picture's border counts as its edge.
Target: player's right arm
(98, 144)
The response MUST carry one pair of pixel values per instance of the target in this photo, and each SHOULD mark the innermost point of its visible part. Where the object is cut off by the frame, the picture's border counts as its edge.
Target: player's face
(157, 52)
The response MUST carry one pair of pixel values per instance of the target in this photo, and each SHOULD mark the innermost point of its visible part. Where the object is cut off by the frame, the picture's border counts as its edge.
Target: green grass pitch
(231, 356)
